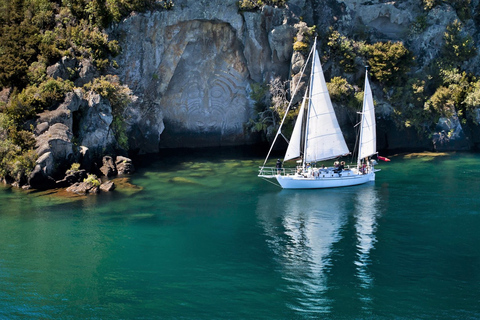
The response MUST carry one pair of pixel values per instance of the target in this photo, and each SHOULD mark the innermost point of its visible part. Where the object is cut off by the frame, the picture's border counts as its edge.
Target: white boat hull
(330, 181)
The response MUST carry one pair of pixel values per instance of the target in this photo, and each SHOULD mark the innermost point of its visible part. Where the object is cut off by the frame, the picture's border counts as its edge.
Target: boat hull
(336, 181)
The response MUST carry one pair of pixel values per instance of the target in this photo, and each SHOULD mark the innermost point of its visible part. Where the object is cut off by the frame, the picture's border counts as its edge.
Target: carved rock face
(191, 69)
(207, 93)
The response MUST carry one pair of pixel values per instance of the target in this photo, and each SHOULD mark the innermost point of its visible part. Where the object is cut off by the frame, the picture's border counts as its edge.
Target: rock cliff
(192, 71)
(192, 67)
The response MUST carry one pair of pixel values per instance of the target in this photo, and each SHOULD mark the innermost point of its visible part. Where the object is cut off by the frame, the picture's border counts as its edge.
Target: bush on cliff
(389, 61)
(17, 157)
(34, 99)
(251, 5)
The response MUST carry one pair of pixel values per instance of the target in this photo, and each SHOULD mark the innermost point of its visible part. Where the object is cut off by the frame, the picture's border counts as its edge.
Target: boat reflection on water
(304, 229)
(365, 213)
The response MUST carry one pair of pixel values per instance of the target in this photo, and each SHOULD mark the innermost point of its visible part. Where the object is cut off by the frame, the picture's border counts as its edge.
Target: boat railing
(314, 171)
(272, 171)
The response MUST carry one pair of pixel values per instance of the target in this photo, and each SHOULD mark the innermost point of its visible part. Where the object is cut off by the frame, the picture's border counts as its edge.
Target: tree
(389, 61)
(458, 47)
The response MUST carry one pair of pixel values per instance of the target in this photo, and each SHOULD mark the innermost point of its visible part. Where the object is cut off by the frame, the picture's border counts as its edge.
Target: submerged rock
(107, 186)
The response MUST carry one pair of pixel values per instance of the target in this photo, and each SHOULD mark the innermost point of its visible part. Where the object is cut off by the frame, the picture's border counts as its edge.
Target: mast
(310, 90)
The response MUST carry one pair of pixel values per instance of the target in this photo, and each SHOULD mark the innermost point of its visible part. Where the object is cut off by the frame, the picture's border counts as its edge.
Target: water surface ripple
(201, 237)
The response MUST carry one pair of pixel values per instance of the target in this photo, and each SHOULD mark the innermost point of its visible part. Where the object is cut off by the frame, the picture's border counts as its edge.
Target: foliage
(270, 103)
(389, 61)
(75, 167)
(456, 95)
(419, 25)
(300, 46)
(93, 180)
(458, 47)
(339, 88)
(430, 4)
(42, 31)
(462, 7)
(109, 87)
(251, 5)
(304, 38)
(17, 157)
(34, 99)
(342, 47)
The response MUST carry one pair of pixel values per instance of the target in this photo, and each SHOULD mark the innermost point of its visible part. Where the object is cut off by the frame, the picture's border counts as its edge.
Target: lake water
(201, 237)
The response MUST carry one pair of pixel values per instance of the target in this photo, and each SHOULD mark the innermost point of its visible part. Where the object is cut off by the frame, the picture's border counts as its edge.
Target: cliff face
(191, 67)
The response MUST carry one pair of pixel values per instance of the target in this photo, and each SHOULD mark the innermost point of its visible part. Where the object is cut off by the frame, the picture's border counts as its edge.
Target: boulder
(38, 179)
(87, 72)
(108, 168)
(449, 135)
(63, 69)
(124, 165)
(107, 186)
(83, 188)
(71, 178)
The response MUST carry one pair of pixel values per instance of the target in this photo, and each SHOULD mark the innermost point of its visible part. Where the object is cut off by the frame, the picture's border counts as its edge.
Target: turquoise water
(201, 237)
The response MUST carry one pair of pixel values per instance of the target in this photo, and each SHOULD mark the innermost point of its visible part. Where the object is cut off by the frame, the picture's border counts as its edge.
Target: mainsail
(368, 137)
(324, 138)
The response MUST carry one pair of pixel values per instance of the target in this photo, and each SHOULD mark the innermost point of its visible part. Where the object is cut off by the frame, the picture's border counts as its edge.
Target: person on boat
(339, 168)
(279, 166)
(363, 169)
(309, 170)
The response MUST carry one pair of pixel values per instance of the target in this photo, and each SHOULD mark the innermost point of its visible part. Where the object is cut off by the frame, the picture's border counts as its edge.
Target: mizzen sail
(368, 136)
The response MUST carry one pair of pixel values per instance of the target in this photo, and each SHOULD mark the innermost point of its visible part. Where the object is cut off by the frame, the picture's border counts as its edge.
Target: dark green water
(206, 239)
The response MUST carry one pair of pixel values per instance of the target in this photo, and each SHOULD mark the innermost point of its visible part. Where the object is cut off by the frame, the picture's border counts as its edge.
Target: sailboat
(317, 137)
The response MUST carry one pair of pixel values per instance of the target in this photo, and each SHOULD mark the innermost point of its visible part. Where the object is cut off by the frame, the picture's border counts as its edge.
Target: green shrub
(340, 90)
(92, 179)
(389, 61)
(342, 49)
(300, 46)
(250, 5)
(458, 47)
(33, 99)
(17, 157)
(75, 167)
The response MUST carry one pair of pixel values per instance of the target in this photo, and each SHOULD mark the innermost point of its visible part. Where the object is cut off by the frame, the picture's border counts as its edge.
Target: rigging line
(288, 107)
(275, 184)
(284, 137)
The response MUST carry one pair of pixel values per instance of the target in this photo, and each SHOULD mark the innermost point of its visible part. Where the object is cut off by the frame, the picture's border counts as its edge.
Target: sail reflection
(365, 225)
(303, 228)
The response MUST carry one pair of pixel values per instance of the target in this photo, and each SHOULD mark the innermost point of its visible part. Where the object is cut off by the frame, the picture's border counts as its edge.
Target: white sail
(368, 136)
(295, 144)
(324, 137)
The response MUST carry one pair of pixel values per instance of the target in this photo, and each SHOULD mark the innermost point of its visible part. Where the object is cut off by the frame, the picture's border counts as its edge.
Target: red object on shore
(383, 158)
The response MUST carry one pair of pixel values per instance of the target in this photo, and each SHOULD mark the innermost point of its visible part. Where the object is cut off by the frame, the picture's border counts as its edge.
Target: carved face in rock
(207, 92)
